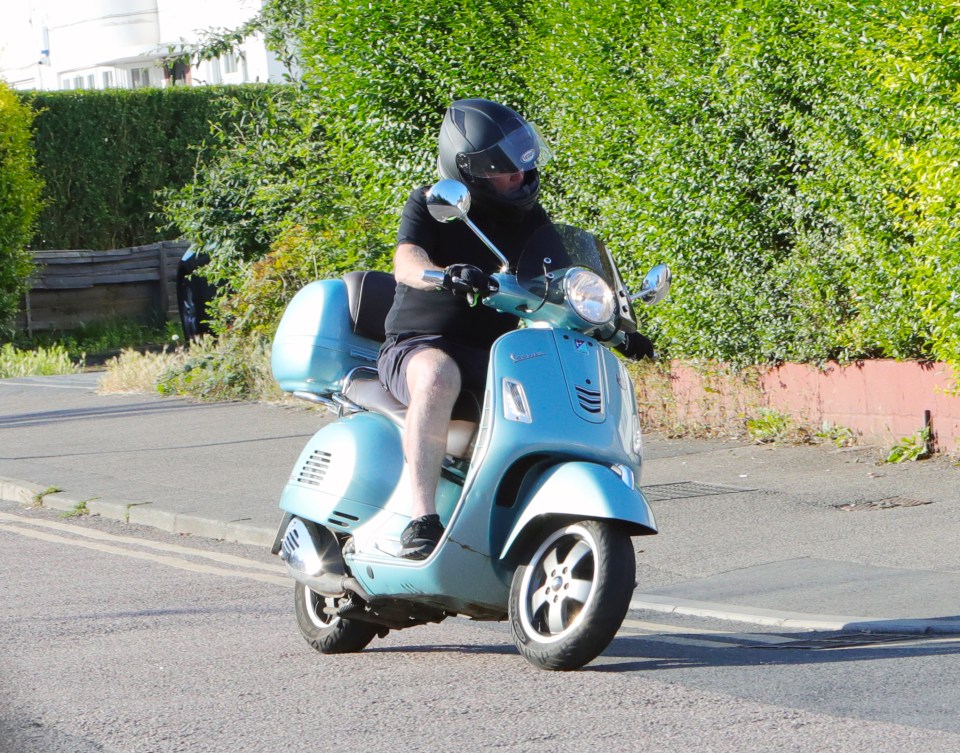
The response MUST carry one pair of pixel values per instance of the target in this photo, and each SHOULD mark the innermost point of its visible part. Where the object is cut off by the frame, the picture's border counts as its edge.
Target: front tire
(569, 600)
(329, 633)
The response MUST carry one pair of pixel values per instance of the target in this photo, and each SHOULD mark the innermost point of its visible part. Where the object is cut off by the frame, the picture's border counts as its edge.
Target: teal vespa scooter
(539, 493)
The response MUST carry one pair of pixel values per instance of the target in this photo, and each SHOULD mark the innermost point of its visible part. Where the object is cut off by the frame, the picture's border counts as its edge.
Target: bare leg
(433, 380)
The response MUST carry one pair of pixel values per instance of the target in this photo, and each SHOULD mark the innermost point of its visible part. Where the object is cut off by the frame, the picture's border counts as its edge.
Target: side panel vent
(315, 469)
(590, 400)
(342, 519)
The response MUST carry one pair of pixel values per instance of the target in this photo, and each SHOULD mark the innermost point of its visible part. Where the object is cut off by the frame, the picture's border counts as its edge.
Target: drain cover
(685, 489)
(883, 504)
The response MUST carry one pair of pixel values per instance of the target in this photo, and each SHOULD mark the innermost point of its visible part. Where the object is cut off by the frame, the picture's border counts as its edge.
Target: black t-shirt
(439, 312)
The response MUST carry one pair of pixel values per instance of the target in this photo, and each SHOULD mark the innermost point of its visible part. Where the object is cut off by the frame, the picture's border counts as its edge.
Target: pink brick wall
(882, 401)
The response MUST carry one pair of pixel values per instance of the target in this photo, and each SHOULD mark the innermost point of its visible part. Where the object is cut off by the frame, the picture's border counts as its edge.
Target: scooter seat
(370, 394)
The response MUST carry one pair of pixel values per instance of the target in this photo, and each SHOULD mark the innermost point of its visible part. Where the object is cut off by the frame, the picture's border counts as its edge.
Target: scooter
(539, 493)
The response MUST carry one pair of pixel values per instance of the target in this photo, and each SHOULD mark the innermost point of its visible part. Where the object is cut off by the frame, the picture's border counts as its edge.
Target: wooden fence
(71, 288)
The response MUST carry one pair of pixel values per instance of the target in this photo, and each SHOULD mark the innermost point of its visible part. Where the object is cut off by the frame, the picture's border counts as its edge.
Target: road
(120, 638)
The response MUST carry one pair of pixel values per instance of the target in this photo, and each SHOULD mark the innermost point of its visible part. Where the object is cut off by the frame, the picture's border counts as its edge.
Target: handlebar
(508, 296)
(433, 276)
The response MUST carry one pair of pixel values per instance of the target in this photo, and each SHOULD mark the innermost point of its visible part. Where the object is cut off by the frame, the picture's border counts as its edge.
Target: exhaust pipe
(312, 555)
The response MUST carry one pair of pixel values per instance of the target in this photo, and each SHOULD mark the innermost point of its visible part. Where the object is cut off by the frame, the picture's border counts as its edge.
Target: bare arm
(409, 262)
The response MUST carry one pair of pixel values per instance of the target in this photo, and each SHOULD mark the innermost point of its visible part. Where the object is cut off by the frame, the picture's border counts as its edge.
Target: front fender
(581, 490)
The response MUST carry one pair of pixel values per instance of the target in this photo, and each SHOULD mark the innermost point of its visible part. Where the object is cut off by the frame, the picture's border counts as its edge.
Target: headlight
(589, 295)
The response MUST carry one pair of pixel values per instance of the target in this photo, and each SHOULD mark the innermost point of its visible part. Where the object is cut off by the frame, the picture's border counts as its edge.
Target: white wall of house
(99, 44)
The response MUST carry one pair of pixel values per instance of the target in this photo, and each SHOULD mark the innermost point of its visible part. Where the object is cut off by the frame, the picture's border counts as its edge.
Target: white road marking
(176, 562)
(225, 559)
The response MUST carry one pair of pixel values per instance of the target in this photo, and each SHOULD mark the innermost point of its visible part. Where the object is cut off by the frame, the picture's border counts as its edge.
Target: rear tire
(328, 633)
(569, 600)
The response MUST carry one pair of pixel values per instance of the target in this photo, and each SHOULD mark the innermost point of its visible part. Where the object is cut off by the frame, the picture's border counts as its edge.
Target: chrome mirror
(448, 200)
(655, 285)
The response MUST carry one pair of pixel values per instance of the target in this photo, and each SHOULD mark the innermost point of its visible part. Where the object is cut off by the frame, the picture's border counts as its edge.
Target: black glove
(635, 346)
(465, 280)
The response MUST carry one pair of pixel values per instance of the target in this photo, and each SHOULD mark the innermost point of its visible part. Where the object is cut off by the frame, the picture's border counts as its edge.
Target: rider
(437, 343)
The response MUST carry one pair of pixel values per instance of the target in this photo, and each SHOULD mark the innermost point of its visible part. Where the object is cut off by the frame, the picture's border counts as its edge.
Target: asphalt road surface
(125, 639)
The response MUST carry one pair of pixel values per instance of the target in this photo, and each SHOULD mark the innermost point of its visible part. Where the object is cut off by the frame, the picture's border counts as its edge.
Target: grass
(770, 426)
(839, 436)
(211, 369)
(135, 372)
(53, 353)
(42, 361)
(108, 336)
(79, 509)
(37, 500)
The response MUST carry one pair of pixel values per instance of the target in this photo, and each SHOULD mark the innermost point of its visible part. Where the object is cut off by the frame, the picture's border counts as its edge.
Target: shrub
(221, 370)
(19, 204)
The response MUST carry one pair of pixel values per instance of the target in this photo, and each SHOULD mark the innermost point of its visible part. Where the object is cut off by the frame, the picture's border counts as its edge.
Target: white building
(99, 44)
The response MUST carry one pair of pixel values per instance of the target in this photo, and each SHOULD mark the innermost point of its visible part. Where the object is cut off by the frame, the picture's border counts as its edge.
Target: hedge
(795, 161)
(19, 203)
(104, 155)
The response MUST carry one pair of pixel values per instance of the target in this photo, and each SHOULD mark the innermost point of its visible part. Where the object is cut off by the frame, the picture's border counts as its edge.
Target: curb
(796, 620)
(137, 513)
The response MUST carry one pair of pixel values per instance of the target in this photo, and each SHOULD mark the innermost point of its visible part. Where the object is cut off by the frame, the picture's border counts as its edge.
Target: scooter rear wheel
(569, 600)
(329, 633)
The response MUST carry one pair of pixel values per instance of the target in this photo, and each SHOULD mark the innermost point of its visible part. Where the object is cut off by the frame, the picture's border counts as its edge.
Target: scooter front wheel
(568, 601)
(326, 631)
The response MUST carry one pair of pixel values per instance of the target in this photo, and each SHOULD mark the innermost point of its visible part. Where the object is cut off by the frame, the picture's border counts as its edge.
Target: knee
(435, 374)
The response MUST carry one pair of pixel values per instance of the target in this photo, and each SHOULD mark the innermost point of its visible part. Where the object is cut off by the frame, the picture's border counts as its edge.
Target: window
(91, 81)
(139, 77)
(107, 79)
(78, 82)
(230, 62)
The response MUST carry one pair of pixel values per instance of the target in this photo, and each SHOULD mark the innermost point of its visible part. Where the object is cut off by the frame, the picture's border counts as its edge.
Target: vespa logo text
(526, 357)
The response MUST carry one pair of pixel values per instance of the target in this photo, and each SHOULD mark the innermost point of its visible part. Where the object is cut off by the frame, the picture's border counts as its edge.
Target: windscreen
(553, 248)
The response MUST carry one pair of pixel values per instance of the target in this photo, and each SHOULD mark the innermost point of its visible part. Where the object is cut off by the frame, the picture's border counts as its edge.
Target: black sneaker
(420, 537)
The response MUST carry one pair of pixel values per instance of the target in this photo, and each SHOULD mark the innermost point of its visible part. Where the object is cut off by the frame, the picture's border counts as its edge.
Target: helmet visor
(520, 150)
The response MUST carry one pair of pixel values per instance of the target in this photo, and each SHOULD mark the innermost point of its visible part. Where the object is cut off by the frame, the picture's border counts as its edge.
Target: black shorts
(394, 356)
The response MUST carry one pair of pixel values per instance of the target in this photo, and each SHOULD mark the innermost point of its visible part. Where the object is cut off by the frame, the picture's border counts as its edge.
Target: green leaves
(20, 188)
(796, 163)
(104, 154)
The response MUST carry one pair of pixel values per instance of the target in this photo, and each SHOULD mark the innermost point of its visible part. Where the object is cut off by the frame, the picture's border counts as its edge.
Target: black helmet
(480, 140)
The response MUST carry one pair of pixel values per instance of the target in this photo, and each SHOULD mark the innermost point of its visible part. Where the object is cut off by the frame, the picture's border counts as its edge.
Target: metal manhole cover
(882, 504)
(685, 489)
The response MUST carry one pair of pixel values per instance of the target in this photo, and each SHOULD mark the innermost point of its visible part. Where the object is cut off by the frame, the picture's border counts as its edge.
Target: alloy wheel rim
(315, 605)
(558, 587)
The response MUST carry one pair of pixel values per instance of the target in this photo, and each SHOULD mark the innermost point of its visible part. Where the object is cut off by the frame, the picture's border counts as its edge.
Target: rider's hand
(465, 279)
(635, 346)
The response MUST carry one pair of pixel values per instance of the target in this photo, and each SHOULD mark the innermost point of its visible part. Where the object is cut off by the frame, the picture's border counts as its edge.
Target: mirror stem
(489, 244)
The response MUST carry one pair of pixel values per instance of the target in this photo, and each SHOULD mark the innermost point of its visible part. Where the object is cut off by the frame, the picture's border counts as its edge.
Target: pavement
(794, 537)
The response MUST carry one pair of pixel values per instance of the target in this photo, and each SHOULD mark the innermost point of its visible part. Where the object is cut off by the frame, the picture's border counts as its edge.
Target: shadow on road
(643, 652)
(42, 418)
